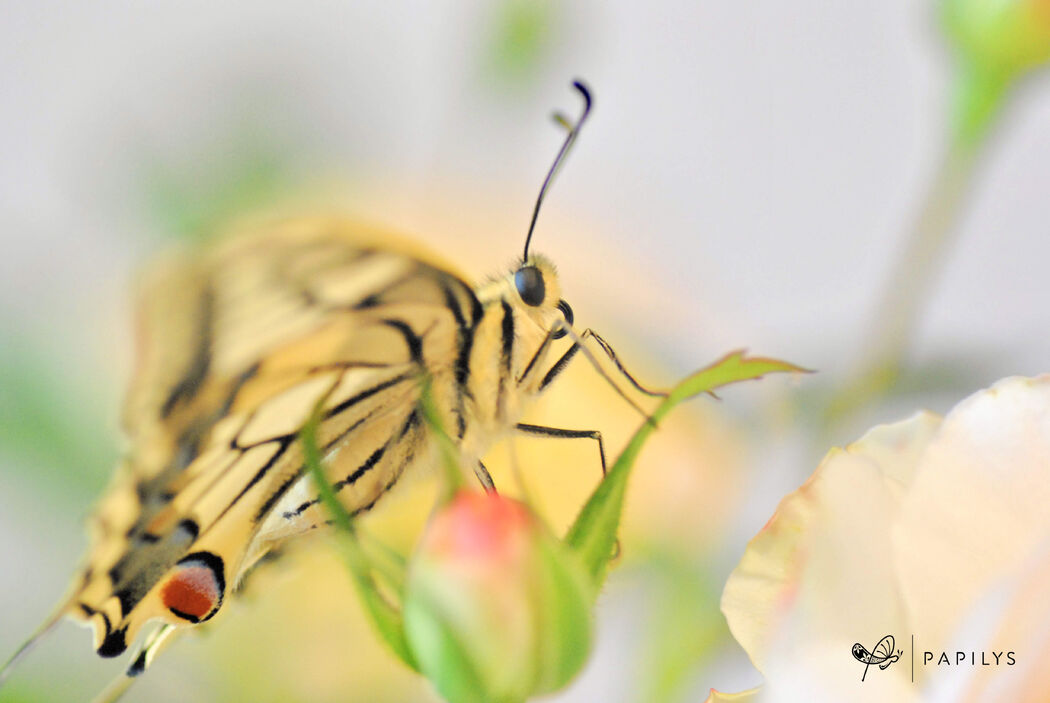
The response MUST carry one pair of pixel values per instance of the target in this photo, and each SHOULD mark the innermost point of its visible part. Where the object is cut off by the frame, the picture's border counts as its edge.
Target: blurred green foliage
(685, 626)
(246, 175)
(520, 38)
(26, 692)
(47, 422)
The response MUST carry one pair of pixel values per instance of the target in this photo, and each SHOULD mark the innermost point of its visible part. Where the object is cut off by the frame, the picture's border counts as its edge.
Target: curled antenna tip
(585, 92)
(573, 129)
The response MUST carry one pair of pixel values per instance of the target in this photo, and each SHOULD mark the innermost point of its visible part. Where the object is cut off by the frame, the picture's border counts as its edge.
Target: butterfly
(240, 345)
(882, 655)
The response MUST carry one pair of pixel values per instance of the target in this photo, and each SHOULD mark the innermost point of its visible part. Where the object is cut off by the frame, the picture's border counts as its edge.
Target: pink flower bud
(496, 608)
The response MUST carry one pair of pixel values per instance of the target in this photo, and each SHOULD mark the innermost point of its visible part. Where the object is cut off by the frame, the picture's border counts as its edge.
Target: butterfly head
(536, 287)
(535, 280)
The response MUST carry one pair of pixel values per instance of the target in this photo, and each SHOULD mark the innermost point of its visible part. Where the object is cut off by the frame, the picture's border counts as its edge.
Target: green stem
(449, 453)
(980, 91)
(912, 278)
(978, 99)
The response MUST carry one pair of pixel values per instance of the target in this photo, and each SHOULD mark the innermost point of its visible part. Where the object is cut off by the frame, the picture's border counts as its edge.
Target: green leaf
(593, 534)
(450, 456)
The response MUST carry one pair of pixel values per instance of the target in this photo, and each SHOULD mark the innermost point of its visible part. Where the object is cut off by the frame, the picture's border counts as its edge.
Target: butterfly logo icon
(882, 654)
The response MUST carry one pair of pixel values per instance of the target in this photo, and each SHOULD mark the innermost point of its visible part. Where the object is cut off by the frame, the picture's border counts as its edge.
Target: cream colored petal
(749, 696)
(979, 505)
(819, 576)
(1009, 629)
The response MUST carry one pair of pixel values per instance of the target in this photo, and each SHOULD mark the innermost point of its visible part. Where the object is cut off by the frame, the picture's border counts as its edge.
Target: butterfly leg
(559, 433)
(578, 346)
(484, 477)
(611, 353)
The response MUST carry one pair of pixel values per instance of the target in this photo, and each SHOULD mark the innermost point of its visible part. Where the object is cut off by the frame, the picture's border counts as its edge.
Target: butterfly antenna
(570, 138)
(29, 644)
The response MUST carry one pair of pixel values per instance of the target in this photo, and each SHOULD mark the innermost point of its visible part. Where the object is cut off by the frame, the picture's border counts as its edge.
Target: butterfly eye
(530, 285)
(566, 311)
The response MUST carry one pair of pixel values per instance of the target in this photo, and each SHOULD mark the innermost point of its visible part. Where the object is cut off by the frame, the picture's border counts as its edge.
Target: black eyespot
(530, 285)
(566, 311)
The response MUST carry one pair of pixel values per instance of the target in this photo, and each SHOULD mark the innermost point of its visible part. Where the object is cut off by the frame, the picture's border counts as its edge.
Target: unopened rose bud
(496, 608)
(1005, 35)
(997, 41)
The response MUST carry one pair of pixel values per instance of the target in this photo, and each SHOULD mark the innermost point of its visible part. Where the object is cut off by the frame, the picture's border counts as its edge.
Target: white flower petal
(1010, 622)
(979, 505)
(822, 567)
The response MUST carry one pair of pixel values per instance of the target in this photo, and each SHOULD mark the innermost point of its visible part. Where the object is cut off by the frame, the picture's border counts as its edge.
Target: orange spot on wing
(192, 593)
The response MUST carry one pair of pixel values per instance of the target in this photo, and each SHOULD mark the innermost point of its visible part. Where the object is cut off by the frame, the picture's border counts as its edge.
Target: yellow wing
(237, 346)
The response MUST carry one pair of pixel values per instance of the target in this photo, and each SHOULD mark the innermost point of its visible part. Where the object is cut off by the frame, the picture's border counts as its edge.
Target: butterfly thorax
(502, 384)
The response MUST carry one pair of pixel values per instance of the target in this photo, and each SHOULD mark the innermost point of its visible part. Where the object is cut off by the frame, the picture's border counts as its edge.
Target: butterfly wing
(884, 649)
(237, 348)
(861, 653)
